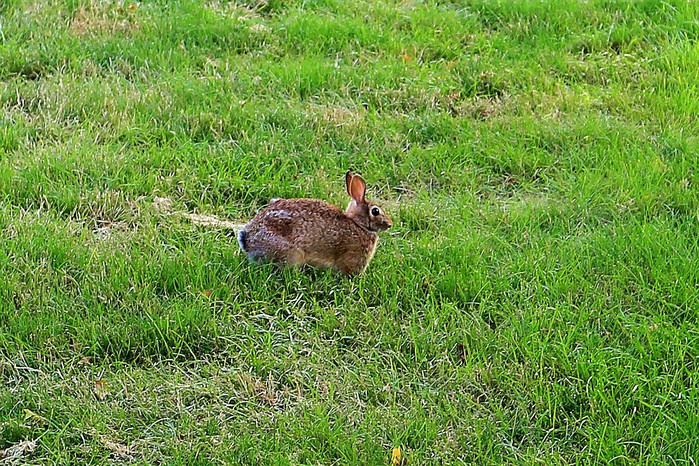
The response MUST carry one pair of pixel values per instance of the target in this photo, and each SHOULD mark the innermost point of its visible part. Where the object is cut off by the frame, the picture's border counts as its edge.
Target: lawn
(535, 302)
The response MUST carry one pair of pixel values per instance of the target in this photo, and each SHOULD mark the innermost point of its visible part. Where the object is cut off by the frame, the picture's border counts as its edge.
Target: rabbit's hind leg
(262, 245)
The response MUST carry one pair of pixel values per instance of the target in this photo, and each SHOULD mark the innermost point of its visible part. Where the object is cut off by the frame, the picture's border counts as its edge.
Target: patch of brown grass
(105, 19)
(334, 116)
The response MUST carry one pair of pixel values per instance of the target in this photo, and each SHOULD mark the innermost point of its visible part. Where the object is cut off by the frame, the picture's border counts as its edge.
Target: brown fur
(313, 232)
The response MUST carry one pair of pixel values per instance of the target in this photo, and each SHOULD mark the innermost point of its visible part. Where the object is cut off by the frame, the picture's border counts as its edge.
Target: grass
(535, 302)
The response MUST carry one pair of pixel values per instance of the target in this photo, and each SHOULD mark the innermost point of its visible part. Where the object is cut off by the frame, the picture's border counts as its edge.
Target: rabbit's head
(365, 213)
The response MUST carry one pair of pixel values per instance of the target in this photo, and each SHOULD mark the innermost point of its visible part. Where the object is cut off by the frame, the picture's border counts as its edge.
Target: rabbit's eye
(375, 211)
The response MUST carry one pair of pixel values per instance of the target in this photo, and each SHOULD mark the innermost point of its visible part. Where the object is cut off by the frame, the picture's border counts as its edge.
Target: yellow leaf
(29, 414)
(396, 457)
(101, 389)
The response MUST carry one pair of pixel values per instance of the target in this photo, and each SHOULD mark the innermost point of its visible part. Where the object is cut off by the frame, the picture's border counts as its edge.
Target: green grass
(536, 301)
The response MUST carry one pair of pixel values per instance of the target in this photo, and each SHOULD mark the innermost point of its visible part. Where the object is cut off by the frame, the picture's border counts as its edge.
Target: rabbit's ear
(348, 181)
(357, 188)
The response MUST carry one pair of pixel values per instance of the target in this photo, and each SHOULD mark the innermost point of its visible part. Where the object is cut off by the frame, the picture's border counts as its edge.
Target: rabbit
(313, 232)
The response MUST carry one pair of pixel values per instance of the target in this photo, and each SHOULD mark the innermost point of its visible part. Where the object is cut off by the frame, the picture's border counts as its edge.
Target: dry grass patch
(105, 18)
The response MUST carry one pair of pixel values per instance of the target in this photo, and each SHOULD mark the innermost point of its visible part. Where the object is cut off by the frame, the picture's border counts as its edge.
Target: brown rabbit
(313, 232)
